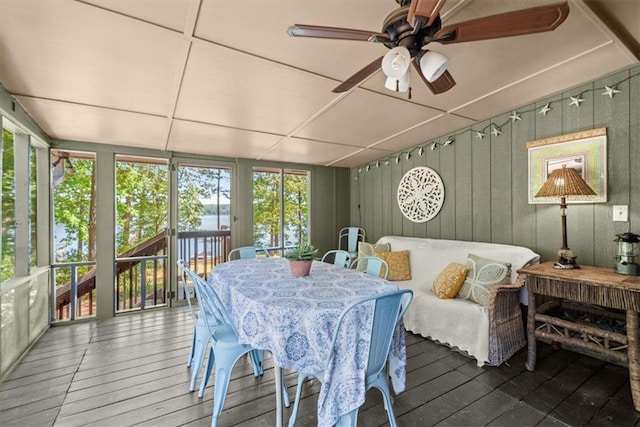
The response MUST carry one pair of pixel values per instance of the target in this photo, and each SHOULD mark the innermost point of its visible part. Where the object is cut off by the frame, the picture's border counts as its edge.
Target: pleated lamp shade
(565, 182)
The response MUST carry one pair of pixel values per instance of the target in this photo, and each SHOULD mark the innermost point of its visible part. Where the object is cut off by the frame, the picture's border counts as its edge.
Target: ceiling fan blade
(318, 31)
(359, 76)
(422, 13)
(439, 85)
(516, 23)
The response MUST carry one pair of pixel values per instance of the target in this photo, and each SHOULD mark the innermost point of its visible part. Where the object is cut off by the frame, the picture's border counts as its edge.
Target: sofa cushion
(483, 275)
(368, 249)
(399, 268)
(449, 281)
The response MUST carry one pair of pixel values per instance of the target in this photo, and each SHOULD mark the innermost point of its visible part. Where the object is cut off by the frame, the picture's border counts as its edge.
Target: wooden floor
(131, 370)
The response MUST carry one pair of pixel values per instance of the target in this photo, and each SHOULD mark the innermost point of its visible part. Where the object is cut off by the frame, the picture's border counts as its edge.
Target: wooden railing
(139, 271)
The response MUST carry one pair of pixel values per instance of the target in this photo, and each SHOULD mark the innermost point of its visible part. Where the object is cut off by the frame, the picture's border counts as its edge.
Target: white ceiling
(223, 78)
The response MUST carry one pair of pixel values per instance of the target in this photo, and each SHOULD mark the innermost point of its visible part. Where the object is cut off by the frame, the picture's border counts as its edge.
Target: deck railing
(141, 273)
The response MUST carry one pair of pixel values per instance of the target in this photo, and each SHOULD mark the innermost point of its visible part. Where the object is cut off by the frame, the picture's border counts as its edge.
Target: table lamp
(565, 182)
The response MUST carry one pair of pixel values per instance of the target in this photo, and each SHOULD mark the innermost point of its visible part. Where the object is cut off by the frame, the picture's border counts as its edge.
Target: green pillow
(483, 275)
(368, 249)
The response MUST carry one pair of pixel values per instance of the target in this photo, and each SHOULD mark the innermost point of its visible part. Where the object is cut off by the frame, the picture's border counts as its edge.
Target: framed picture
(584, 151)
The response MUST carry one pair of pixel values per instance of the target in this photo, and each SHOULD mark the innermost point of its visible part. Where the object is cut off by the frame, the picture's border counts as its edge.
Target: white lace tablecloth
(294, 319)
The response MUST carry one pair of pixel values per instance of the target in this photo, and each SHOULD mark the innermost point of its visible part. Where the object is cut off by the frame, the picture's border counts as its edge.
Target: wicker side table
(590, 290)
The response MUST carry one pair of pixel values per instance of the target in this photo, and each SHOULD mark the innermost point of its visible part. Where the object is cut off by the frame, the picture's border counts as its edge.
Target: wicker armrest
(506, 331)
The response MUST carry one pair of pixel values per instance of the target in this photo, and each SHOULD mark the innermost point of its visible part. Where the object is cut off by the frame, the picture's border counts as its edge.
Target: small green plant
(302, 253)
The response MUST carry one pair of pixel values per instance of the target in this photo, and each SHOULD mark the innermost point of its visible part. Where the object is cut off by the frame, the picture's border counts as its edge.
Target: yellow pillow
(449, 281)
(399, 268)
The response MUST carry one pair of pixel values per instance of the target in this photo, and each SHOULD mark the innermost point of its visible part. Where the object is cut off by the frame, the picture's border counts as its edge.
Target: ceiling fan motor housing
(401, 32)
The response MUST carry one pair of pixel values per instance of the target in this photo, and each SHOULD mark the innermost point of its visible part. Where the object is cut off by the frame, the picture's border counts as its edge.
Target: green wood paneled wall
(486, 179)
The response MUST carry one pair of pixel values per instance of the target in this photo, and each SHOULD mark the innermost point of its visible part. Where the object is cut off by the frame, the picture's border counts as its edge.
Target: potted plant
(300, 259)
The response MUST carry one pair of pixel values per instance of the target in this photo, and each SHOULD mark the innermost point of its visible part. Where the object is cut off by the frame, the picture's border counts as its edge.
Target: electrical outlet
(621, 213)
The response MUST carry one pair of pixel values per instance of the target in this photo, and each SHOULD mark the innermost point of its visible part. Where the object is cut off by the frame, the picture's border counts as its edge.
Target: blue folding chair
(340, 257)
(373, 265)
(389, 309)
(246, 252)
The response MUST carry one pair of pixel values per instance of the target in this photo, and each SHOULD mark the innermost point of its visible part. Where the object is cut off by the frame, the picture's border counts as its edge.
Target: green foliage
(302, 253)
(266, 208)
(8, 206)
(71, 207)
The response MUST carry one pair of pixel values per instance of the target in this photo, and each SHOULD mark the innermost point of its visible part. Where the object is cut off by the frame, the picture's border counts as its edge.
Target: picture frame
(585, 151)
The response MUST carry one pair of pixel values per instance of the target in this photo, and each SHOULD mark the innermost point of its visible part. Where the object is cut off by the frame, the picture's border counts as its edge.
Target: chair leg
(296, 402)
(196, 364)
(225, 361)
(207, 372)
(381, 384)
(192, 350)
(256, 358)
(348, 420)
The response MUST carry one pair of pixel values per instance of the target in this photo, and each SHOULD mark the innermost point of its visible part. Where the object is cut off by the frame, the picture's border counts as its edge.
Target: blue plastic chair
(246, 252)
(200, 333)
(224, 349)
(340, 257)
(389, 309)
(202, 330)
(348, 239)
(374, 266)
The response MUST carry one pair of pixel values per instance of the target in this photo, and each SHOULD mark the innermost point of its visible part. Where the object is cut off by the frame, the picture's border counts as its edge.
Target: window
(280, 208)
(74, 233)
(142, 198)
(8, 205)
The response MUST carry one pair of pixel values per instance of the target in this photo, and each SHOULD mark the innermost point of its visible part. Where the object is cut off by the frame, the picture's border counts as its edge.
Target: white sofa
(491, 334)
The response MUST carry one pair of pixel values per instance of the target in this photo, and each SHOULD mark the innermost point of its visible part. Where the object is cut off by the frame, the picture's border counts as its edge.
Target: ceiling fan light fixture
(396, 62)
(433, 65)
(400, 84)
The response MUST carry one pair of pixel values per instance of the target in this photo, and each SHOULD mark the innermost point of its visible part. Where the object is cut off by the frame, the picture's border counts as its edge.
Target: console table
(592, 291)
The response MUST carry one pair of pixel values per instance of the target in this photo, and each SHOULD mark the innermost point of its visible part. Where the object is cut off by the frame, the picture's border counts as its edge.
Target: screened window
(280, 208)
(8, 205)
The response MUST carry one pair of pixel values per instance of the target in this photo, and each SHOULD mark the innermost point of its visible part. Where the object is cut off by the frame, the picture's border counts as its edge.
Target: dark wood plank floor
(131, 370)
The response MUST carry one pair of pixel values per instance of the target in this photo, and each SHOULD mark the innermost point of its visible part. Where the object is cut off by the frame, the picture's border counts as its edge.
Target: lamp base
(566, 260)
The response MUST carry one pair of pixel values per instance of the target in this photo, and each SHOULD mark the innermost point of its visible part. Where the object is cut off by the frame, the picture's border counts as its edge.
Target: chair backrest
(246, 252)
(340, 257)
(375, 266)
(351, 235)
(210, 305)
(387, 312)
(185, 289)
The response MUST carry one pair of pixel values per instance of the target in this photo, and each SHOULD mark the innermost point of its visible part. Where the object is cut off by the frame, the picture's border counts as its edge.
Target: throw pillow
(399, 268)
(449, 281)
(368, 249)
(483, 275)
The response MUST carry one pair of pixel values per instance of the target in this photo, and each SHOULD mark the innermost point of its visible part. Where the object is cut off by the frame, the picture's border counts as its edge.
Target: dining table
(295, 318)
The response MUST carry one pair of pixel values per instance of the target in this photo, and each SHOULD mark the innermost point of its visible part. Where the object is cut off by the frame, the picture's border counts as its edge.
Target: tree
(266, 209)
(8, 206)
(296, 209)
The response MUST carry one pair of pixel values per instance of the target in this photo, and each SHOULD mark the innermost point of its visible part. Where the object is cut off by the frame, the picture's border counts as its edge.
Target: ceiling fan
(415, 24)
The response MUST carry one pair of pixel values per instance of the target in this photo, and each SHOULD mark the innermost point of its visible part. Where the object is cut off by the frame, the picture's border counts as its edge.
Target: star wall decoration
(544, 110)
(576, 100)
(495, 129)
(610, 91)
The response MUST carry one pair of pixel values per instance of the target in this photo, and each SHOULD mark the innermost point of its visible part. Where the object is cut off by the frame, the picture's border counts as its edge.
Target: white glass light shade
(396, 62)
(400, 84)
(433, 65)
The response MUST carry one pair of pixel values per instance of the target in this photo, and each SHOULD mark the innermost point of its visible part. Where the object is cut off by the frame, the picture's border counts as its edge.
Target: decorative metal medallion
(420, 194)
